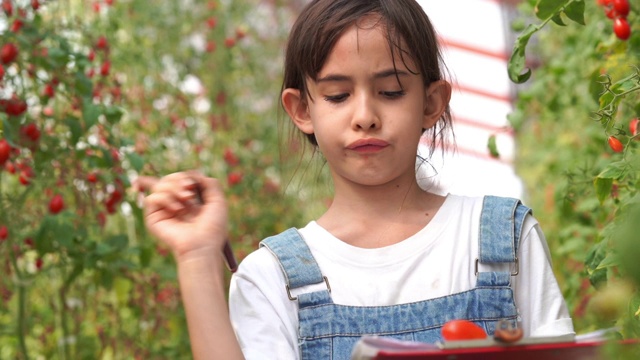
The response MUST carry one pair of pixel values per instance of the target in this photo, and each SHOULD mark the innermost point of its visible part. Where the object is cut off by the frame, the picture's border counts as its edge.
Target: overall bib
(330, 331)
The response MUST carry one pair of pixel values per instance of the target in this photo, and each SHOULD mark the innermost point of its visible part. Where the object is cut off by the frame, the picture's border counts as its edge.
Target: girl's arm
(196, 233)
(202, 285)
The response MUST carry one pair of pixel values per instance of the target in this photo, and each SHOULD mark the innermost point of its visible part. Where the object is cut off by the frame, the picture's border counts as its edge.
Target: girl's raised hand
(174, 213)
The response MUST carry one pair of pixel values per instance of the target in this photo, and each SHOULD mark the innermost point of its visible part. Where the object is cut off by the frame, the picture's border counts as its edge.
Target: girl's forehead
(370, 21)
(367, 41)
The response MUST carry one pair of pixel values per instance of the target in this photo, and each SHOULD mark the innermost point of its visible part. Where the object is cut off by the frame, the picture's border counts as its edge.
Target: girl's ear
(297, 109)
(437, 97)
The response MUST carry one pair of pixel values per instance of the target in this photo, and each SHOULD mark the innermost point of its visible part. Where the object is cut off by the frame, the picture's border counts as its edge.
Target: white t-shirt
(438, 260)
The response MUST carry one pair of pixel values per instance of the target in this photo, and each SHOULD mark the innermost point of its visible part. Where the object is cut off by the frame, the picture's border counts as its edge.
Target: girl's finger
(163, 205)
(145, 183)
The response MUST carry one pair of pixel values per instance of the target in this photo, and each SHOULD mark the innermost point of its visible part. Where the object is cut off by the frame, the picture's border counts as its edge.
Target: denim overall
(330, 331)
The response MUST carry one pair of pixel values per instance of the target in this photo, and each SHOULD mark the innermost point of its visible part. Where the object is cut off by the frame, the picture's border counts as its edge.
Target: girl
(363, 81)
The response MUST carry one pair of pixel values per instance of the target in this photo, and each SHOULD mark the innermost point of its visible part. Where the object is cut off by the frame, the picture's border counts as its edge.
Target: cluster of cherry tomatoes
(618, 10)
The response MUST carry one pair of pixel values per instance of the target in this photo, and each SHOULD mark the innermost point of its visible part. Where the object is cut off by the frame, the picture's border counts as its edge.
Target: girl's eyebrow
(379, 75)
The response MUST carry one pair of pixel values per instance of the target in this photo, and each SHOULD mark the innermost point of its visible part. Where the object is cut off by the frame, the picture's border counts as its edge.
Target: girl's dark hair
(409, 32)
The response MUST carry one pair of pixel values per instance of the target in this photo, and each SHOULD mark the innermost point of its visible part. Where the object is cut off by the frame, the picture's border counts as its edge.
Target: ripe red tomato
(615, 144)
(229, 42)
(1, 72)
(633, 127)
(113, 200)
(621, 28)
(28, 242)
(49, 91)
(234, 178)
(230, 157)
(17, 25)
(102, 43)
(92, 177)
(105, 68)
(56, 204)
(31, 131)
(462, 330)
(4, 233)
(8, 53)
(5, 151)
(24, 178)
(14, 106)
(621, 7)
(7, 6)
(35, 4)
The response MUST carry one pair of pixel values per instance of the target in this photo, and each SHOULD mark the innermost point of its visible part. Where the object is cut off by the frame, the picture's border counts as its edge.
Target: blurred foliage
(584, 88)
(97, 94)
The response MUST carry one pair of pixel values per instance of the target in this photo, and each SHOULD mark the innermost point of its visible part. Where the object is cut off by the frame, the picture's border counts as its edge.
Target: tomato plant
(90, 99)
(586, 196)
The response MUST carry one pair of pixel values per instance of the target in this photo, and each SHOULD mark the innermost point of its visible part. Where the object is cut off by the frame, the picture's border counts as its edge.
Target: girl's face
(366, 123)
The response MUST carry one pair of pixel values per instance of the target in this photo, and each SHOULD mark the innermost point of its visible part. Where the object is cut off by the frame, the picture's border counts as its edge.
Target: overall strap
(501, 223)
(298, 266)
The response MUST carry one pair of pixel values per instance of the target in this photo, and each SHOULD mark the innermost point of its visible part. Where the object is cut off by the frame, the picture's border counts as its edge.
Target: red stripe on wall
(474, 49)
(470, 152)
(479, 124)
(484, 93)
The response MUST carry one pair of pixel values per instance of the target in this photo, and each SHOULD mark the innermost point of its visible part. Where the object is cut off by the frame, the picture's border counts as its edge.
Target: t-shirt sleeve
(538, 296)
(263, 318)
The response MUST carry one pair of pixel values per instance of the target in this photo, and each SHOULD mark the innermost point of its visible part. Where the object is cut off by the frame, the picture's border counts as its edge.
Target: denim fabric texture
(330, 331)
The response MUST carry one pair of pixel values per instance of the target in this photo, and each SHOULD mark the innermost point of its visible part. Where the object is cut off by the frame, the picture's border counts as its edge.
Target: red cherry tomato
(5, 151)
(633, 127)
(462, 330)
(56, 204)
(615, 144)
(621, 28)
(621, 7)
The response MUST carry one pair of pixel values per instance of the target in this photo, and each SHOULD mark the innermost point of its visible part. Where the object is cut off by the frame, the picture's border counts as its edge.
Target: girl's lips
(368, 145)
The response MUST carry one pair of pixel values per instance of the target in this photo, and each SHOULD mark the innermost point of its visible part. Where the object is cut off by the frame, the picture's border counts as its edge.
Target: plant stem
(64, 322)
(22, 318)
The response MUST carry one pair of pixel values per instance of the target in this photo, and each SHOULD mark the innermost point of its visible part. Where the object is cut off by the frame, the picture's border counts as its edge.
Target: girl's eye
(336, 98)
(392, 94)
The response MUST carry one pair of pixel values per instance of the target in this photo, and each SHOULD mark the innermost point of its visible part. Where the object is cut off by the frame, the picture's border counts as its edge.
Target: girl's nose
(365, 116)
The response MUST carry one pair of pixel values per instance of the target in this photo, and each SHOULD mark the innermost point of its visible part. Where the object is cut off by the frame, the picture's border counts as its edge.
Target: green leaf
(492, 146)
(78, 268)
(118, 241)
(517, 61)
(136, 161)
(616, 171)
(610, 260)
(546, 9)
(75, 128)
(84, 86)
(575, 11)
(90, 113)
(558, 20)
(113, 114)
(122, 288)
(104, 278)
(57, 57)
(145, 255)
(595, 87)
(603, 188)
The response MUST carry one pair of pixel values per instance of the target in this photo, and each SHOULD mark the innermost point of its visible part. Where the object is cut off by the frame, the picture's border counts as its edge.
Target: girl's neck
(374, 216)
